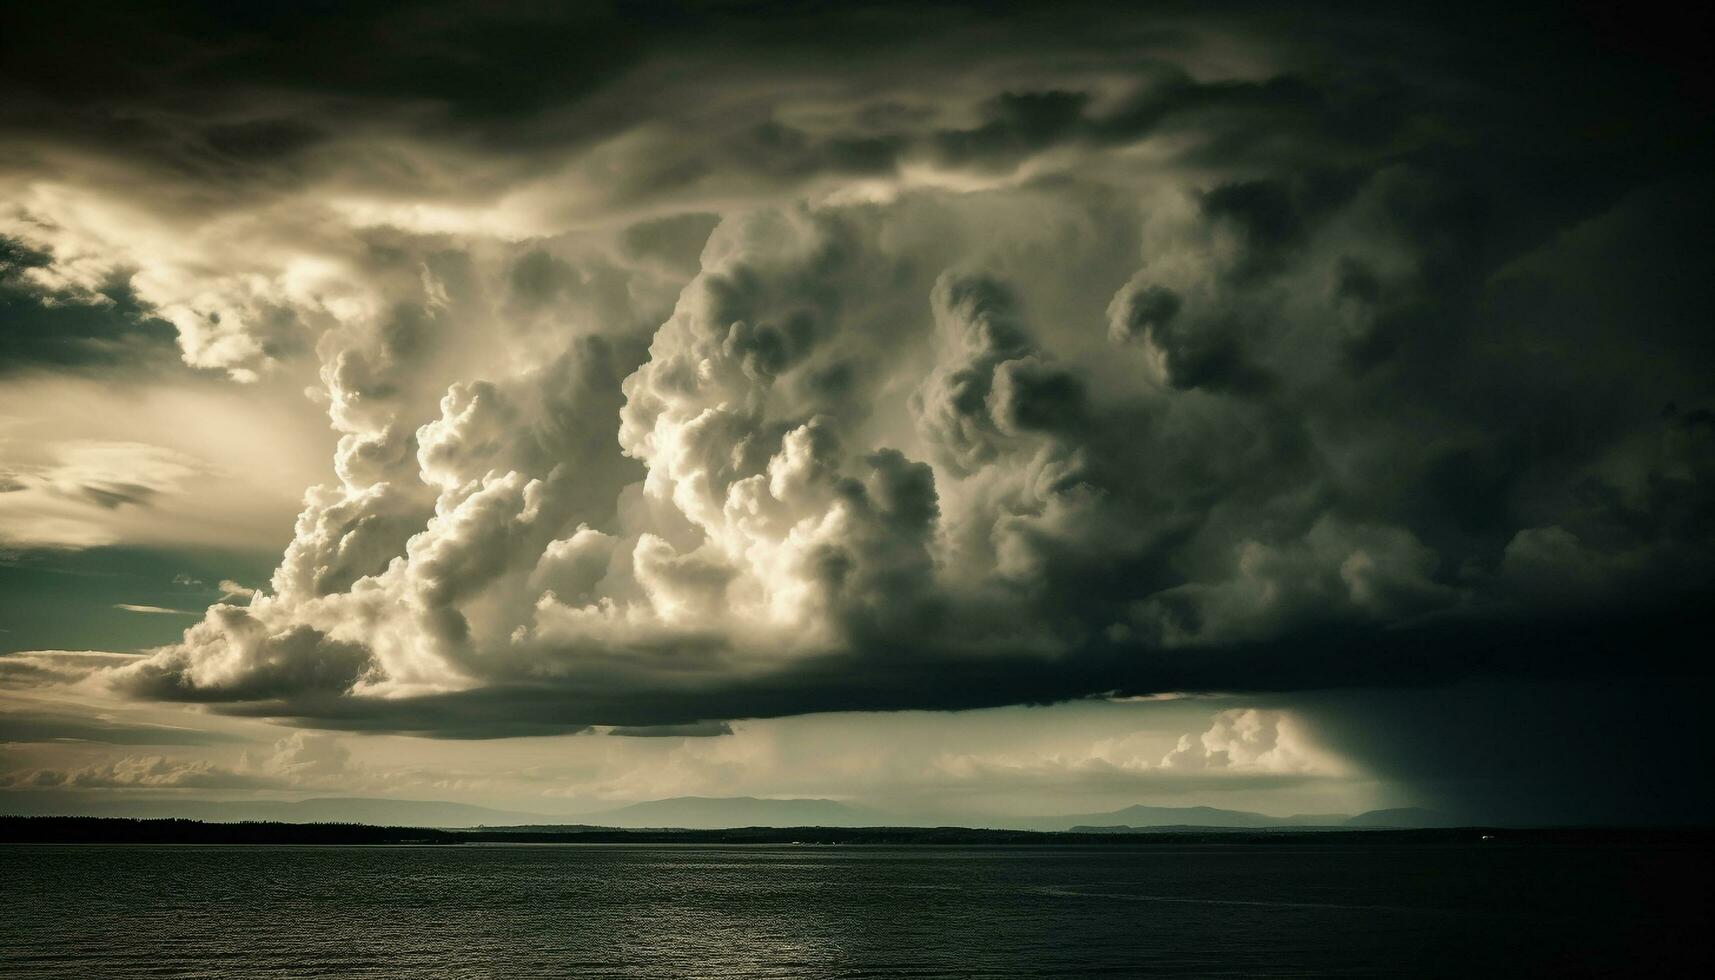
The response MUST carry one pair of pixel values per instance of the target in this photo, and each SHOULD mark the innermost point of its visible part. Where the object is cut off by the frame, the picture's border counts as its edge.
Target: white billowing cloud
(571, 568)
(1242, 747)
(1258, 741)
(304, 759)
(234, 654)
(845, 440)
(745, 415)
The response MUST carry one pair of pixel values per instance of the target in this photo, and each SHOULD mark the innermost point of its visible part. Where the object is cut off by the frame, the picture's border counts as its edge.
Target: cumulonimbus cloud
(1111, 377)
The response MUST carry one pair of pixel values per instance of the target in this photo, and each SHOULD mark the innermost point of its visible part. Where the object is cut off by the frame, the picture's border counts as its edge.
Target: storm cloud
(1114, 353)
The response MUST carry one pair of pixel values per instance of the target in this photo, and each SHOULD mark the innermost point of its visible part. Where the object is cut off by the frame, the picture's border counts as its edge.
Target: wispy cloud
(154, 610)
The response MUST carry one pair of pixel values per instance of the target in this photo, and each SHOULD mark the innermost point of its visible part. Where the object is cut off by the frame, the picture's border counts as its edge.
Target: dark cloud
(707, 729)
(1634, 654)
(1620, 750)
(1017, 125)
(225, 91)
(41, 330)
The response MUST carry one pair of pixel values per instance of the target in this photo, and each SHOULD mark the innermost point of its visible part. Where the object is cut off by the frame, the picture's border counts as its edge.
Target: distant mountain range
(1410, 816)
(1203, 817)
(720, 812)
(713, 813)
(1142, 817)
(692, 813)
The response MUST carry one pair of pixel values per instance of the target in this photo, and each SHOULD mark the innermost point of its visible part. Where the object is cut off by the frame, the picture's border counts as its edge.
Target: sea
(1478, 908)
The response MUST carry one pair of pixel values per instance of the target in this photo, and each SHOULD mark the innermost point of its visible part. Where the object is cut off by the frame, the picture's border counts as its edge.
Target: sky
(957, 409)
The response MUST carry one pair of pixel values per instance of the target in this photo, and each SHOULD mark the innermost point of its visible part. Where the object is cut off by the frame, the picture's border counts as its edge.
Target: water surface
(761, 911)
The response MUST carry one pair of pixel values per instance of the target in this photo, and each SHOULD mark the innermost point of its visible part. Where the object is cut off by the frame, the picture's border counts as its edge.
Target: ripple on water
(766, 912)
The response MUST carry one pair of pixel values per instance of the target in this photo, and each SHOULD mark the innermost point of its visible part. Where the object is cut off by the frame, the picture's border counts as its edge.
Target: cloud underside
(1203, 357)
(1626, 652)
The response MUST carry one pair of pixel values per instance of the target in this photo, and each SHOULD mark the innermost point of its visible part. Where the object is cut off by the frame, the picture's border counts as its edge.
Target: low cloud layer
(688, 387)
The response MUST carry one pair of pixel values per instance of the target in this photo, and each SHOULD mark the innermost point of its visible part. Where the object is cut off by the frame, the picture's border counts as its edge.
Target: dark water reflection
(692, 911)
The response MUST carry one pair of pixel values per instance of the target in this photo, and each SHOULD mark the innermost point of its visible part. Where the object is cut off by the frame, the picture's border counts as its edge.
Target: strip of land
(110, 830)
